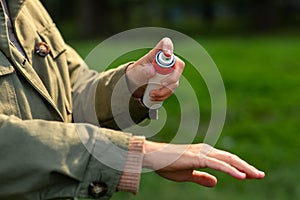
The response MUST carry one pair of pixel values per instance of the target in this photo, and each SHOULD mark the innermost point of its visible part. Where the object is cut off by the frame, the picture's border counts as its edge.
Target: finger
(238, 163)
(203, 178)
(163, 93)
(222, 166)
(176, 74)
(165, 45)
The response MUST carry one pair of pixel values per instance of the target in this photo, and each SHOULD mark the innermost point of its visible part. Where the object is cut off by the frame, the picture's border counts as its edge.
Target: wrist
(150, 157)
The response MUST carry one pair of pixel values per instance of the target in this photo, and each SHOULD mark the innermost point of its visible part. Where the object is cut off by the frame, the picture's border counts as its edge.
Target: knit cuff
(130, 178)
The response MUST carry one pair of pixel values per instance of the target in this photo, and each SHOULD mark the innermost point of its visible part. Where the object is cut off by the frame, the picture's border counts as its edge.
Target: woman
(43, 151)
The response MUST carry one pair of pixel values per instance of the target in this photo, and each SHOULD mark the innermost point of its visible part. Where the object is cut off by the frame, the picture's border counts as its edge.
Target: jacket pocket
(53, 38)
(55, 65)
(5, 70)
(5, 66)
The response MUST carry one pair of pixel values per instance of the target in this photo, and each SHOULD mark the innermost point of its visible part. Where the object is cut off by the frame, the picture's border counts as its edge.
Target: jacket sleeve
(103, 98)
(58, 159)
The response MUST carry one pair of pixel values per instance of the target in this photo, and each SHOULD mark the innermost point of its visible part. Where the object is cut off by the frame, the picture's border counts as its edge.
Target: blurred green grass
(261, 76)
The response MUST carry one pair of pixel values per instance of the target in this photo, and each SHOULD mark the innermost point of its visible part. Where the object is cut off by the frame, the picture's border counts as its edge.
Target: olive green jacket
(43, 153)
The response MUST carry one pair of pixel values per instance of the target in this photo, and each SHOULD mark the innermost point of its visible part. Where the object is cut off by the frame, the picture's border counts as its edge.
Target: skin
(142, 70)
(180, 162)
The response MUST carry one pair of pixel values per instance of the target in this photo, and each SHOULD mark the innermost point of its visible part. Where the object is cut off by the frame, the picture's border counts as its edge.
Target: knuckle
(203, 162)
(231, 158)
(180, 63)
(173, 78)
(176, 84)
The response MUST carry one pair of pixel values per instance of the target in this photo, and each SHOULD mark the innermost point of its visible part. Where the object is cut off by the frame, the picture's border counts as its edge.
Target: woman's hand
(142, 70)
(179, 163)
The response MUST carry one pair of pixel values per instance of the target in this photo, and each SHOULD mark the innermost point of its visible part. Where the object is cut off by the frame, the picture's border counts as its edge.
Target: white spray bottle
(163, 65)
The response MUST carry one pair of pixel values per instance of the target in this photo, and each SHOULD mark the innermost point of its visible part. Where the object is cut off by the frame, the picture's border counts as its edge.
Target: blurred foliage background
(93, 18)
(256, 46)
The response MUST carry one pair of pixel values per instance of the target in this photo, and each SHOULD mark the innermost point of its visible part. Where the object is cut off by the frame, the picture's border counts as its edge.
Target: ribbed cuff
(130, 178)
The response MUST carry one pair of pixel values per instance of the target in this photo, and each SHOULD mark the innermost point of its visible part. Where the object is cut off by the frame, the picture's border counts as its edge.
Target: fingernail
(241, 175)
(152, 95)
(164, 83)
(262, 174)
(259, 174)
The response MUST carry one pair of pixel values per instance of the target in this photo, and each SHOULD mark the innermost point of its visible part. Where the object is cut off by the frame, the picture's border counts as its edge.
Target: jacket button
(42, 49)
(97, 189)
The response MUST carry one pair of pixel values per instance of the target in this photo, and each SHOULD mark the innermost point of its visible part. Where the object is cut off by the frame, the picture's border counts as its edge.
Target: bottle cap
(164, 64)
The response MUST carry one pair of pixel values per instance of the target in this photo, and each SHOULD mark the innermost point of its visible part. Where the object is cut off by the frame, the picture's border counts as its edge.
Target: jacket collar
(14, 8)
(4, 44)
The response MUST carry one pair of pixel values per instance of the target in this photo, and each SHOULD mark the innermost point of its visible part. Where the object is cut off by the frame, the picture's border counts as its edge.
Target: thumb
(203, 178)
(165, 45)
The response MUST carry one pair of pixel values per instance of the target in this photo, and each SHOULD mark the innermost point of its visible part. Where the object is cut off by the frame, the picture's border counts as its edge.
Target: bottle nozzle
(167, 53)
(164, 60)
